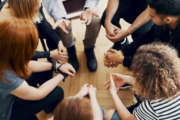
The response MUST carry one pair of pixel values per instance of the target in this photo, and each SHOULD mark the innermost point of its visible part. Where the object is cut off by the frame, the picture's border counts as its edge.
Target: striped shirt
(158, 110)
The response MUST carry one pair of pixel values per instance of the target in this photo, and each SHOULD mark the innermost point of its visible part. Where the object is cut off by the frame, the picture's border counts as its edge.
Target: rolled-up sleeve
(55, 8)
(91, 4)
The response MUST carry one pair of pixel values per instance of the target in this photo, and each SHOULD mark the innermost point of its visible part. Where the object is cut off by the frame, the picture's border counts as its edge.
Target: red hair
(74, 109)
(18, 41)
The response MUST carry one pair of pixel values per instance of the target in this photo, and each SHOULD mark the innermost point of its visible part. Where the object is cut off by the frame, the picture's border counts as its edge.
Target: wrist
(60, 77)
(107, 22)
(113, 93)
(121, 59)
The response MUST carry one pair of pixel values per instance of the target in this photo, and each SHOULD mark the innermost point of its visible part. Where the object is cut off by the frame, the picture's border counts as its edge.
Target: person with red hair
(19, 100)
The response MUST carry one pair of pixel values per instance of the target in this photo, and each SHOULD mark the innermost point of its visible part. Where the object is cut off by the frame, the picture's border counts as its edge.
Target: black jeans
(27, 110)
(46, 32)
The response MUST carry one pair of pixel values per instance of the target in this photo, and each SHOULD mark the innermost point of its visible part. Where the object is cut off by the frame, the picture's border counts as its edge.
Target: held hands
(87, 90)
(116, 81)
(114, 33)
(63, 24)
(120, 35)
(68, 69)
(60, 56)
(87, 16)
(112, 58)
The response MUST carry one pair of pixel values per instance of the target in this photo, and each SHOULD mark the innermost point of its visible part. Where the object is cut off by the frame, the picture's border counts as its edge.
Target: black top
(157, 33)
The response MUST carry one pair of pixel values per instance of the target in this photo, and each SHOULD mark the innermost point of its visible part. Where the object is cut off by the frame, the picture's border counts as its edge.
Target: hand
(58, 57)
(87, 16)
(92, 91)
(63, 52)
(84, 91)
(119, 80)
(110, 85)
(112, 58)
(63, 24)
(68, 69)
(121, 34)
(111, 30)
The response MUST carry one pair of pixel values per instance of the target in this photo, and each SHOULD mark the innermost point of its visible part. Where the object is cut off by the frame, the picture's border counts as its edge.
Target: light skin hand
(119, 80)
(110, 85)
(92, 91)
(62, 52)
(113, 58)
(84, 91)
(111, 30)
(63, 24)
(121, 34)
(54, 54)
(87, 16)
(68, 69)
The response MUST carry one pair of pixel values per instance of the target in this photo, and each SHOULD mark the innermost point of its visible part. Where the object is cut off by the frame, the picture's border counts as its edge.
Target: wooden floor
(72, 85)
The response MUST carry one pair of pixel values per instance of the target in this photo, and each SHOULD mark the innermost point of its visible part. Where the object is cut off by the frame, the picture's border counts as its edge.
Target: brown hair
(74, 109)
(24, 8)
(18, 41)
(156, 68)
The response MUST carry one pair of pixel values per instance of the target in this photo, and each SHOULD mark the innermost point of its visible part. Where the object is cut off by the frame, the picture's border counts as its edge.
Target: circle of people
(28, 86)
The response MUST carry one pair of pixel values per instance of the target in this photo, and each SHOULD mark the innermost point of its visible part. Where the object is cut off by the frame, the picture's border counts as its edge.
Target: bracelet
(57, 70)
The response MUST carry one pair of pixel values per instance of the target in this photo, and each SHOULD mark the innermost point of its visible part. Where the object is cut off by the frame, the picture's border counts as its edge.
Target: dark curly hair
(156, 68)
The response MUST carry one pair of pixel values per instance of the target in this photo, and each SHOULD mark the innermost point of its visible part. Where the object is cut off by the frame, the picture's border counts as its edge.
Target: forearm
(111, 10)
(27, 92)
(97, 114)
(37, 66)
(121, 109)
(142, 19)
(46, 88)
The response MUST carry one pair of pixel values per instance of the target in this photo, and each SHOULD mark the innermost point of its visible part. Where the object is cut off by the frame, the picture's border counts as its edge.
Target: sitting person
(92, 23)
(165, 15)
(82, 106)
(155, 80)
(19, 100)
(33, 10)
(30, 9)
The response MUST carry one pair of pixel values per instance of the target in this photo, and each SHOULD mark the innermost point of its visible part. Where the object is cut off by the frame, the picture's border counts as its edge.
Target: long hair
(74, 109)
(18, 41)
(156, 68)
(24, 8)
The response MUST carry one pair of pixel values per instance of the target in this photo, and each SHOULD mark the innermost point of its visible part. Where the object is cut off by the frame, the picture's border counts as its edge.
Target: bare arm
(97, 114)
(37, 66)
(142, 19)
(111, 10)
(121, 109)
(27, 92)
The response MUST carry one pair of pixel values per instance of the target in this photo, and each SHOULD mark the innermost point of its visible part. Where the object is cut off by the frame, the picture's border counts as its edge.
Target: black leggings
(27, 110)
(46, 32)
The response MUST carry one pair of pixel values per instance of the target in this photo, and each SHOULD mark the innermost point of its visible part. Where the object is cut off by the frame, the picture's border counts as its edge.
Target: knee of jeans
(59, 93)
(96, 21)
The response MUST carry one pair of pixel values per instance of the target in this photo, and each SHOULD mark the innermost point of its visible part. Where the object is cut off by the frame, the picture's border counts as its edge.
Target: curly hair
(156, 68)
